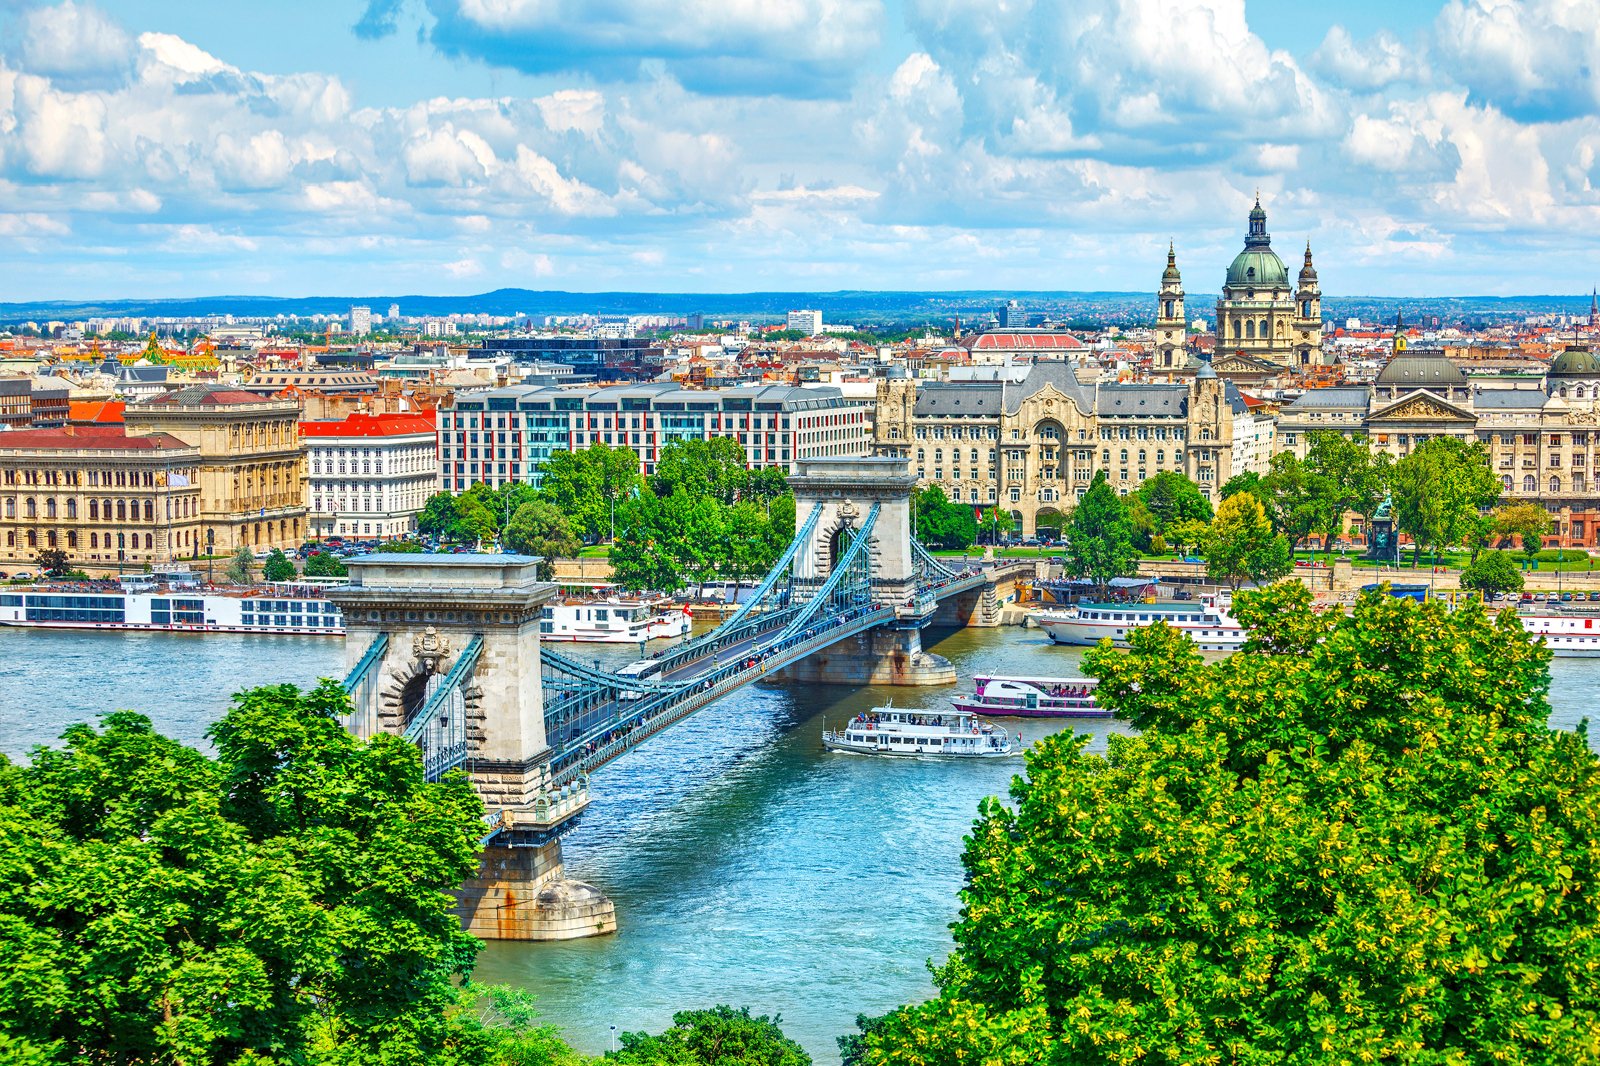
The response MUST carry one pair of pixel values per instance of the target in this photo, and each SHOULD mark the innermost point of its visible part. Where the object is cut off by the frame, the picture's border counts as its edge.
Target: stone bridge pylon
(444, 649)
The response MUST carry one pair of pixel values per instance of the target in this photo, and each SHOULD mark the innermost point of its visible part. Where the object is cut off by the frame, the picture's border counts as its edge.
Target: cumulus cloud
(1367, 66)
(1534, 59)
(73, 45)
(790, 47)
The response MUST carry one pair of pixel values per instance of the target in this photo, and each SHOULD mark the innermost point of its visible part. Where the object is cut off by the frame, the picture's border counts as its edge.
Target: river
(748, 866)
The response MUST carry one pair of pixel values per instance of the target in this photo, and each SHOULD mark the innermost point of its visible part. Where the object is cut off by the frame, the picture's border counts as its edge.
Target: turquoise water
(748, 866)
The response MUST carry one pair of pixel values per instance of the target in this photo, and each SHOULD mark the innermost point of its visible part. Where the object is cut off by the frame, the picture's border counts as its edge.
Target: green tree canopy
(278, 567)
(1356, 840)
(1293, 496)
(1492, 572)
(241, 567)
(539, 528)
(720, 1036)
(1171, 497)
(1439, 490)
(1241, 546)
(438, 517)
(283, 902)
(52, 562)
(1528, 522)
(943, 524)
(1099, 535)
(1346, 475)
(326, 564)
(587, 485)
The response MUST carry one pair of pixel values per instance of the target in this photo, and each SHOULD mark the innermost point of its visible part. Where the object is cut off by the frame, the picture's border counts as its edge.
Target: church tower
(1172, 329)
(1399, 347)
(1307, 324)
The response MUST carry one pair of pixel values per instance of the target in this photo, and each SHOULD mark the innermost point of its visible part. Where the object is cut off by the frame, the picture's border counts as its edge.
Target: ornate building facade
(252, 464)
(1262, 316)
(1032, 446)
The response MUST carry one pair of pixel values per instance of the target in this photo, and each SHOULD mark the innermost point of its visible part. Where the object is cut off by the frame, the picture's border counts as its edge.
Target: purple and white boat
(1032, 697)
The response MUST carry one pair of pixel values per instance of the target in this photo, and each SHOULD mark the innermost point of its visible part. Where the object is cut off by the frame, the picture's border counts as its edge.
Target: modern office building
(807, 322)
(361, 321)
(500, 435)
(370, 475)
(599, 359)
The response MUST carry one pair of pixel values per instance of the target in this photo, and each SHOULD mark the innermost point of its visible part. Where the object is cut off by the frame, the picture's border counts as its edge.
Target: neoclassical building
(1032, 444)
(1263, 320)
(1543, 442)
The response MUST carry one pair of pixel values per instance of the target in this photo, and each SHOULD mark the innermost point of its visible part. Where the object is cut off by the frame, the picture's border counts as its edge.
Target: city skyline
(151, 149)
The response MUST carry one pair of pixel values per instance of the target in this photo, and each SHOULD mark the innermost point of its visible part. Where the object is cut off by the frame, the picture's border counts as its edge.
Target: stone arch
(404, 688)
(1049, 429)
(1048, 517)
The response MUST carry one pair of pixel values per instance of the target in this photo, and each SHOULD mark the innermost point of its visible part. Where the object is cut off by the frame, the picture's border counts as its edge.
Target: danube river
(748, 867)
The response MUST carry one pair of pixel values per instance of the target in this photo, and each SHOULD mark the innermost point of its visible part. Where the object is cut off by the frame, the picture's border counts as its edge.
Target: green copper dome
(1575, 363)
(1258, 266)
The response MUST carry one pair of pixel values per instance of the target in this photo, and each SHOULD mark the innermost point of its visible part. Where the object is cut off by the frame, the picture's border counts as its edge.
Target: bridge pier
(447, 653)
(888, 655)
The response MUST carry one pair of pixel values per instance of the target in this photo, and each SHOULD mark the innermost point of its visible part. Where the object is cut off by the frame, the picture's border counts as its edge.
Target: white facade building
(807, 322)
(369, 475)
(361, 321)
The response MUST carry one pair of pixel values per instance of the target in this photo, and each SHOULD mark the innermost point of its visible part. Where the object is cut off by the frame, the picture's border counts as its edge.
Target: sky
(164, 148)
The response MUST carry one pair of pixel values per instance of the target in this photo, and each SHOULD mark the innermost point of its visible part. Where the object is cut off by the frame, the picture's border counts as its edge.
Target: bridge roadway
(607, 730)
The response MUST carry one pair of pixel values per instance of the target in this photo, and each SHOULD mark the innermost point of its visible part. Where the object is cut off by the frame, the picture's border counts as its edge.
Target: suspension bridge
(445, 652)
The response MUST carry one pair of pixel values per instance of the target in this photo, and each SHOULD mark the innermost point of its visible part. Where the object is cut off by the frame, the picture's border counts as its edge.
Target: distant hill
(845, 305)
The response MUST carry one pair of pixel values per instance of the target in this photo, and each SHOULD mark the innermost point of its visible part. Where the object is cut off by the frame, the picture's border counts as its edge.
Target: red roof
(364, 425)
(101, 438)
(1027, 340)
(109, 411)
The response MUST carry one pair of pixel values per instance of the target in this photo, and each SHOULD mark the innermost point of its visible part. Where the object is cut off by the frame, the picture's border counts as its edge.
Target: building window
(1529, 485)
(1555, 484)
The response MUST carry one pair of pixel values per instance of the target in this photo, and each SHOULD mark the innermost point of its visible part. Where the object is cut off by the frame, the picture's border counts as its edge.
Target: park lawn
(594, 551)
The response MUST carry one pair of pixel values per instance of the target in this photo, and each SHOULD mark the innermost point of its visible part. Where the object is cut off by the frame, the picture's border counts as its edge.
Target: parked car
(22, 575)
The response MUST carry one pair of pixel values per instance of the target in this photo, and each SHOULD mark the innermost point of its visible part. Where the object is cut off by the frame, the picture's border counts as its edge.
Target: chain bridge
(445, 651)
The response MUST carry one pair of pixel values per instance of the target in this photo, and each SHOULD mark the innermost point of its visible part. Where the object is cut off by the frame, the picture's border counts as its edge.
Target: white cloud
(1368, 66)
(1533, 58)
(73, 44)
(261, 161)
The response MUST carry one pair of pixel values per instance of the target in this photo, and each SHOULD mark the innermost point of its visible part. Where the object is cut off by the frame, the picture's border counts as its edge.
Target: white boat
(1568, 636)
(1205, 620)
(613, 621)
(1032, 697)
(888, 731)
(184, 608)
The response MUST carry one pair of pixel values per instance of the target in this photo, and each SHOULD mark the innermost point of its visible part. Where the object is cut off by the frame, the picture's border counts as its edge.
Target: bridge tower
(845, 488)
(444, 650)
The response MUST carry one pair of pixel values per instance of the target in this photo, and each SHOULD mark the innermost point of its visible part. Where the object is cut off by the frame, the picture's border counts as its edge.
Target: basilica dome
(1575, 363)
(1258, 266)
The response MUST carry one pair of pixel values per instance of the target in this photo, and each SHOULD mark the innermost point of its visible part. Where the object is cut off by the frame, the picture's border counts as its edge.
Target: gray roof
(1421, 369)
(1508, 399)
(967, 398)
(989, 398)
(1148, 400)
(1356, 398)
(1235, 398)
(1060, 374)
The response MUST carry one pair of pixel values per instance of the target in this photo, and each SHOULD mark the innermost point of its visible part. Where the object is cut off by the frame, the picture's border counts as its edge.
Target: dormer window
(1250, 273)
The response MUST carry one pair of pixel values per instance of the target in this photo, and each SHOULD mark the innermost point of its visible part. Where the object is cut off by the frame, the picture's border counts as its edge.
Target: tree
(277, 567)
(641, 558)
(1241, 545)
(52, 562)
(588, 485)
(1171, 497)
(1188, 533)
(404, 547)
(241, 567)
(1346, 476)
(537, 528)
(326, 564)
(1295, 498)
(1528, 522)
(438, 517)
(1492, 572)
(1099, 535)
(475, 522)
(1439, 490)
(285, 900)
(720, 1036)
(942, 524)
(1354, 840)
(714, 468)
(1250, 482)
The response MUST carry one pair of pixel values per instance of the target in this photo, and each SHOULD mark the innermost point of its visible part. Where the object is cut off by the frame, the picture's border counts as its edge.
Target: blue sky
(164, 148)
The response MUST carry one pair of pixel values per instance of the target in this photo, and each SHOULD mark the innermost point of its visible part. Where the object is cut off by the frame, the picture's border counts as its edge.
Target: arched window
(50, 508)
(94, 540)
(1505, 482)
(1168, 312)
(50, 538)
(30, 508)
(1555, 484)
(72, 508)
(1264, 333)
(149, 542)
(33, 538)
(149, 511)
(1305, 308)
(1236, 329)
(72, 538)
(1562, 391)
(1580, 392)
(122, 510)
(1529, 484)
(1250, 330)
(11, 508)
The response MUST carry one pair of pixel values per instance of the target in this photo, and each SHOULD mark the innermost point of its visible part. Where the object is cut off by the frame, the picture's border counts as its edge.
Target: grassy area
(594, 551)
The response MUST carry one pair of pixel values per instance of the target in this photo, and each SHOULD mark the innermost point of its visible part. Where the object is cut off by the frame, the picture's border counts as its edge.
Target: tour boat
(1568, 636)
(1205, 620)
(889, 731)
(1032, 697)
(182, 607)
(612, 621)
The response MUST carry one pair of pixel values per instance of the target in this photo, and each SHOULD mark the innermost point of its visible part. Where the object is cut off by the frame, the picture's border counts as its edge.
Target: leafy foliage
(1439, 490)
(241, 567)
(326, 564)
(1492, 572)
(1240, 545)
(278, 567)
(720, 1036)
(1356, 840)
(586, 485)
(284, 902)
(52, 562)
(1171, 497)
(1099, 535)
(539, 528)
(1528, 522)
(943, 524)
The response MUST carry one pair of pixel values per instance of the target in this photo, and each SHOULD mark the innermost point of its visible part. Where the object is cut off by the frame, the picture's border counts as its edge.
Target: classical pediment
(1244, 364)
(1422, 407)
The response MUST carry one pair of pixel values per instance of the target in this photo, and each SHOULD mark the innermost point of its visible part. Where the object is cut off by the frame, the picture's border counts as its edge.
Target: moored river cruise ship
(889, 731)
(1205, 621)
(178, 610)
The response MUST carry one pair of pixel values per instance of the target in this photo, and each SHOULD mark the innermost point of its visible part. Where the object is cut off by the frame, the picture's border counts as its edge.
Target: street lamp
(122, 541)
(211, 553)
